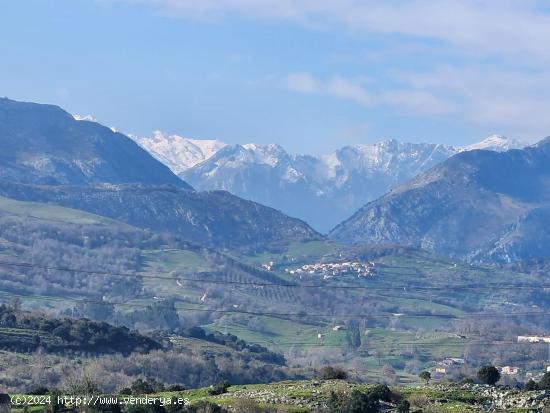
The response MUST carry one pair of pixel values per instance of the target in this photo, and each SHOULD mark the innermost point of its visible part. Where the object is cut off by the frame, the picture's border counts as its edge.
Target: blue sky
(310, 75)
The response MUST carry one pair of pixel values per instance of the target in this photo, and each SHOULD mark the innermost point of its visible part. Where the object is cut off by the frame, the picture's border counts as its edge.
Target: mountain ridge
(45, 144)
(473, 205)
(50, 156)
(337, 183)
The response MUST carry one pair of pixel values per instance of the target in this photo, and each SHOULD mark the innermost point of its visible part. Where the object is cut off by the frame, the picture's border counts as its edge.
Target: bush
(530, 385)
(176, 387)
(332, 373)
(544, 383)
(141, 386)
(381, 392)
(357, 402)
(39, 391)
(419, 400)
(488, 375)
(219, 388)
(404, 407)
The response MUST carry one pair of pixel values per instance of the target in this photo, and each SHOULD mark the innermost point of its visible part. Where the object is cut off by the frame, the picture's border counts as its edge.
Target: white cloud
(486, 61)
(353, 89)
(501, 28)
(418, 101)
(302, 82)
(349, 89)
(510, 99)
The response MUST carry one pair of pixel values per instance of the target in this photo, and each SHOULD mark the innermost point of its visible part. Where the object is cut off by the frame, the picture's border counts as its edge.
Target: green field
(51, 212)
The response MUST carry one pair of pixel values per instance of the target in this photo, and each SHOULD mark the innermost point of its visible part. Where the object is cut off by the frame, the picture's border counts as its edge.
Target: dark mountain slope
(215, 218)
(44, 144)
(476, 204)
(48, 156)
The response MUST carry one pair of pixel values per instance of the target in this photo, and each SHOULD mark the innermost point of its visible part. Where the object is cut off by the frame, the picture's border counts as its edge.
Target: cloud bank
(489, 59)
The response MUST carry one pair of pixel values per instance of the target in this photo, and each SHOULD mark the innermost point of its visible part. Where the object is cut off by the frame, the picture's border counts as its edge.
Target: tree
(332, 373)
(488, 375)
(219, 388)
(353, 334)
(426, 376)
(530, 385)
(544, 383)
(141, 386)
(404, 407)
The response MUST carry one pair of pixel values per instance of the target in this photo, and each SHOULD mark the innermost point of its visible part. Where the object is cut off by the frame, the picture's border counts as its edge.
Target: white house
(509, 370)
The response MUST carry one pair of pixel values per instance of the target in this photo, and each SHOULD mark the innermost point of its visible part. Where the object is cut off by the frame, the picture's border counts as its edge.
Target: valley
(202, 287)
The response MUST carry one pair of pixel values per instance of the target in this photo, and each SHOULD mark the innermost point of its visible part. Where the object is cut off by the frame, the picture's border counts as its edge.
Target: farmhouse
(509, 370)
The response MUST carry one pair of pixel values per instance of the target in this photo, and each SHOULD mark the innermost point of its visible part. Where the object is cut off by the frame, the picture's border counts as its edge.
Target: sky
(311, 75)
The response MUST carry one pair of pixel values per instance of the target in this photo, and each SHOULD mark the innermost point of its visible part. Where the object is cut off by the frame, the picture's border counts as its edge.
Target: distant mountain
(495, 143)
(321, 190)
(44, 144)
(177, 152)
(480, 205)
(50, 156)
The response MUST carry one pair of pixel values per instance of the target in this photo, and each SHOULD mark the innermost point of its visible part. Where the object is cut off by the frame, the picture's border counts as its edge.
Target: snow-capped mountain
(177, 152)
(496, 143)
(321, 190)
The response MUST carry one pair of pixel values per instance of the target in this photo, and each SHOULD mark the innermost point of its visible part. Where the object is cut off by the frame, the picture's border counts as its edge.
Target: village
(334, 269)
(449, 365)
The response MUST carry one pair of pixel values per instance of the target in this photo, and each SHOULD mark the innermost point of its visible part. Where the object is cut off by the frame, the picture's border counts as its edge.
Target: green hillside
(51, 212)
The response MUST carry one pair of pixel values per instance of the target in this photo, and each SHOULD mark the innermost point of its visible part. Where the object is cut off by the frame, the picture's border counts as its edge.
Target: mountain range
(44, 144)
(49, 156)
(479, 205)
(485, 202)
(321, 190)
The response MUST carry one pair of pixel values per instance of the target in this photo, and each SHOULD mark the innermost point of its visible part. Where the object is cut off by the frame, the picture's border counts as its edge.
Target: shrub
(39, 391)
(176, 387)
(419, 400)
(488, 375)
(530, 385)
(332, 373)
(357, 402)
(544, 383)
(404, 407)
(141, 386)
(219, 388)
(426, 376)
(381, 392)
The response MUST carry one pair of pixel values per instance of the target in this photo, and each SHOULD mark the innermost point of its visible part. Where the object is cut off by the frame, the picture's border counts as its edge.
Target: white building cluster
(533, 339)
(333, 269)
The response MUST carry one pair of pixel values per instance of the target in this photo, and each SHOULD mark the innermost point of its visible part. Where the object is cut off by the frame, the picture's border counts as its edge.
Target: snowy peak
(322, 190)
(88, 117)
(241, 156)
(496, 143)
(177, 152)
